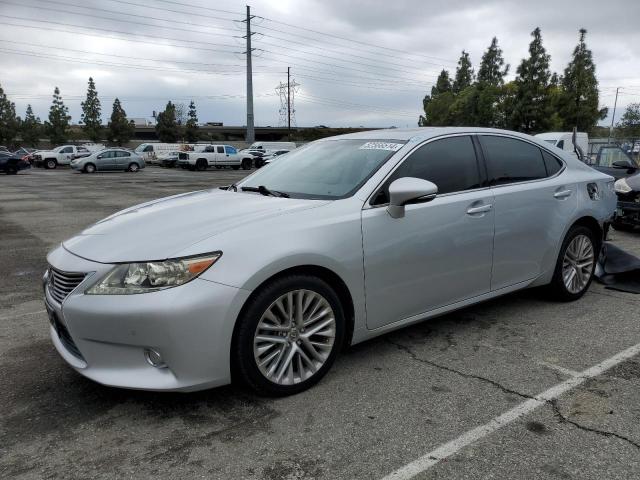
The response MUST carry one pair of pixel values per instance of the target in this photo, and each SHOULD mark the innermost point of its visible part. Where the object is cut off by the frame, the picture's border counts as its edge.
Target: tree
(443, 85)
(31, 128)
(57, 127)
(464, 73)
(167, 127)
(191, 129)
(91, 113)
(533, 109)
(579, 106)
(629, 124)
(181, 113)
(9, 122)
(491, 72)
(120, 130)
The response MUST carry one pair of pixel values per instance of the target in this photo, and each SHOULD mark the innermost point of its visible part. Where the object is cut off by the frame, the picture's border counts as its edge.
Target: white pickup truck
(215, 156)
(61, 155)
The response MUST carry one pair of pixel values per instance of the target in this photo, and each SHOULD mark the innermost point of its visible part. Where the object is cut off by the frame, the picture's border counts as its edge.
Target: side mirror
(409, 190)
(100, 157)
(624, 164)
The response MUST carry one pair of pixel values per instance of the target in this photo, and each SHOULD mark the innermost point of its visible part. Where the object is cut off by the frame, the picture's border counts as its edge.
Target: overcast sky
(373, 67)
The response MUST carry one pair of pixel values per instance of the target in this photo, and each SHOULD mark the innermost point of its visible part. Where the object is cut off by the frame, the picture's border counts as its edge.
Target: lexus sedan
(109, 159)
(359, 234)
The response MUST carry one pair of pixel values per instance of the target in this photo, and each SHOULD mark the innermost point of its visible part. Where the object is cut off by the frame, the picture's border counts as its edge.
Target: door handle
(562, 194)
(481, 209)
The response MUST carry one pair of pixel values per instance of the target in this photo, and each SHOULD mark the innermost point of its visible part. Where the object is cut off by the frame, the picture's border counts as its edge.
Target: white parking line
(448, 449)
(7, 317)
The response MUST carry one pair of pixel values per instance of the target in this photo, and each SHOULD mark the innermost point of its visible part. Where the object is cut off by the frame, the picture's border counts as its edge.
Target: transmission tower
(287, 92)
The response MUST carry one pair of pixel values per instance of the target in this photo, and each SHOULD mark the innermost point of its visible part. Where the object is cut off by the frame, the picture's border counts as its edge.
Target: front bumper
(628, 212)
(191, 326)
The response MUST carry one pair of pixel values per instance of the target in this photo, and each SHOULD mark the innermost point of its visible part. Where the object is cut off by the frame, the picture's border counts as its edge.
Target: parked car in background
(22, 151)
(268, 158)
(151, 151)
(614, 161)
(214, 156)
(265, 148)
(61, 155)
(358, 235)
(10, 163)
(564, 141)
(168, 160)
(109, 159)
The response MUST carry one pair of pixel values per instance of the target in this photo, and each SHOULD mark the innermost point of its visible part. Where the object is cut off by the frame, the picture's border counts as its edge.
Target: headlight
(621, 186)
(143, 277)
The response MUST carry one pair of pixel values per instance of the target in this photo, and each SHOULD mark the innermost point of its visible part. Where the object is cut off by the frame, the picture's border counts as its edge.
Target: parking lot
(401, 398)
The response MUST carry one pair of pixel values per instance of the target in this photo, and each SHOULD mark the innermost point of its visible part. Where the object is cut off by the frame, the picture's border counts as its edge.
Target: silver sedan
(109, 159)
(349, 237)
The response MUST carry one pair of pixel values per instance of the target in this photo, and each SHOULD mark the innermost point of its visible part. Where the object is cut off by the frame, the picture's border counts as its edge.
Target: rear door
(122, 160)
(440, 252)
(533, 199)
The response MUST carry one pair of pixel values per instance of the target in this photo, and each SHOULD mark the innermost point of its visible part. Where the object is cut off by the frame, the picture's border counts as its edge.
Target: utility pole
(615, 104)
(251, 136)
(288, 103)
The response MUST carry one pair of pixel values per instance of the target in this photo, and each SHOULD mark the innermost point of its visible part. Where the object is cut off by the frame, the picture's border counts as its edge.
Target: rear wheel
(575, 265)
(288, 336)
(51, 163)
(89, 168)
(133, 167)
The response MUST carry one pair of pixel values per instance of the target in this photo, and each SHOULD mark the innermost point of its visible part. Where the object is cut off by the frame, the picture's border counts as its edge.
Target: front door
(106, 160)
(440, 252)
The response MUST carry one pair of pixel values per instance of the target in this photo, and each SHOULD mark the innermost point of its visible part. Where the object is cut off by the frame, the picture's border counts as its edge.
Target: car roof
(422, 133)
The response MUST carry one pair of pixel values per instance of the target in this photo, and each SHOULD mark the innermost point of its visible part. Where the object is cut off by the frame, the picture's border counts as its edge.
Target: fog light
(154, 358)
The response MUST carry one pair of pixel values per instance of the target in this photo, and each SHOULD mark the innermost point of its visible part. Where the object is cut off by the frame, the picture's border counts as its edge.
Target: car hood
(634, 182)
(163, 228)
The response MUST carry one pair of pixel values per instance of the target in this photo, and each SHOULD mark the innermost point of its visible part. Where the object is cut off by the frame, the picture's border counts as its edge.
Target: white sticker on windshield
(392, 147)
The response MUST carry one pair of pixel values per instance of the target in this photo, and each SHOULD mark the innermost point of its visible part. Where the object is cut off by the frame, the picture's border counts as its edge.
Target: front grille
(183, 156)
(62, 283)
(64, 336)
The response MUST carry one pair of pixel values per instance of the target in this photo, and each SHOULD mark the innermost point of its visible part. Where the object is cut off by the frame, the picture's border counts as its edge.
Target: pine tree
(167, 127)
(57, 128)
(464, 73)
(442, 85)
(580, 100)
(91, 113)
(492, 67)
(120, 130)
(191, 129)
(9, 122)
(31, 128)
(533, 109)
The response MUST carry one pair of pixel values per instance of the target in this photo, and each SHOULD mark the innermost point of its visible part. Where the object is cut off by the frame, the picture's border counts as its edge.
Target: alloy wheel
(577, 264)
(294, 337)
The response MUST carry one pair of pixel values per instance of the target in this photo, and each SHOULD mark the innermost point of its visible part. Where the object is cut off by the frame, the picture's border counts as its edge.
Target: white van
(150, 151)
(563, 140)
(272, 146)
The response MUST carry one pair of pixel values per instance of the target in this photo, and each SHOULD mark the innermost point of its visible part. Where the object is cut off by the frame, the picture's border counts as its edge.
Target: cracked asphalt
(385, 402)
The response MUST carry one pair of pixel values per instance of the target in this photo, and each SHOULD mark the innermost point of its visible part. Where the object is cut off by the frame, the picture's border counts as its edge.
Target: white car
(215, 156)
(270, 157)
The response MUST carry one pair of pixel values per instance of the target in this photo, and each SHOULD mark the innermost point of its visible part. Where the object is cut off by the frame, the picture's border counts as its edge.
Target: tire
(258, 162)
(50, 164)
(246, 164)
(133, 167)
(201, 165)
(622, 227)
(11, 170)
(246, 346)
(236, 167)
(558, 288)
(89, 168)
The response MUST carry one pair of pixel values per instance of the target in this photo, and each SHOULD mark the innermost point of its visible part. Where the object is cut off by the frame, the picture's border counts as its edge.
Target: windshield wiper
(261, 189)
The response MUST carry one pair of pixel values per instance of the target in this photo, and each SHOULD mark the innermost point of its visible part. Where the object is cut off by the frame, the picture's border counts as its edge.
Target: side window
(107, 154)
(148, 148)
(552, 164)
(220, 149)
(608, 155)
(560, 145)
(450, 163)
(124, 154)
(510, 160)
(230, 150)
(67, 150)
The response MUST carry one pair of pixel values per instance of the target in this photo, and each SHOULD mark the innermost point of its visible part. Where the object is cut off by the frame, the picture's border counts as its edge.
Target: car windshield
(328, 169)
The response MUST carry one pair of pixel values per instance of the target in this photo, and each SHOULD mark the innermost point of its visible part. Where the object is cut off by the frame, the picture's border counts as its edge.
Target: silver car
(109, 159)
(358, 235)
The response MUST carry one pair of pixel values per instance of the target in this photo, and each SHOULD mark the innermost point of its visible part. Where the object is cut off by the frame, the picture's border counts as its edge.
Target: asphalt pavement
(455, 397)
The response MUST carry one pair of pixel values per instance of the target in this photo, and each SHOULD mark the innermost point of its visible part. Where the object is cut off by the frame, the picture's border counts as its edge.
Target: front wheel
(51, 164)
(133, 167)
(246, 164)
(575, 265)
(89, 168)
(288, 336)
